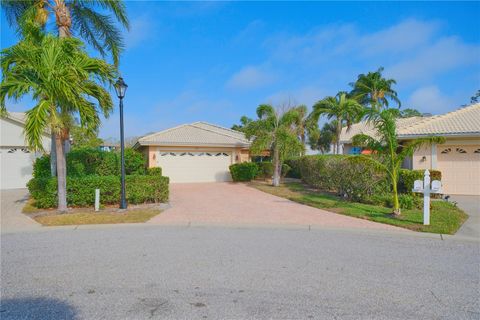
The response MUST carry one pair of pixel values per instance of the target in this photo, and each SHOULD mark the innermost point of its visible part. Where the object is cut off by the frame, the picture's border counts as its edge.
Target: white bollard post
(426, 198)
(97, 199)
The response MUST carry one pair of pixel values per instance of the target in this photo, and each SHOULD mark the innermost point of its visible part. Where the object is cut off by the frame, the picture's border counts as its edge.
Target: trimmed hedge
(81, 190)
(245, 171)
(266, 168)
(294, 171)
(407, 178)
(155, 171)
(352, 177)
(88, 161)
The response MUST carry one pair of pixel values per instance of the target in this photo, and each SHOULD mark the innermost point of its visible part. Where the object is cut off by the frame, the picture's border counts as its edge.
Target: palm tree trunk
(277, 167)
(61, 174)
(396, 203)
(53, 156)
(63, 19)
(339, 132)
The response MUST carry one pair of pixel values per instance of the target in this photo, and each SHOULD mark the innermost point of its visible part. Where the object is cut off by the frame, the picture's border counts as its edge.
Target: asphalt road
(142, 272)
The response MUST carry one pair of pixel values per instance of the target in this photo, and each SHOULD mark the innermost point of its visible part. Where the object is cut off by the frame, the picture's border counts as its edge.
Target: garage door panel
(195, 166)
(460, 167)
(16, 166)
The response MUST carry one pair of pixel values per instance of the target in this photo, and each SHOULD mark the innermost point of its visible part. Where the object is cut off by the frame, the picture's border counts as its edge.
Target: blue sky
(217, 61)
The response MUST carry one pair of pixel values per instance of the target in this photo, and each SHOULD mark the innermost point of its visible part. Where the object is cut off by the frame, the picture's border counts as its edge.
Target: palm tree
(388, 154)
(373, 90)
(323, 139)
(275, 130)
(343, 109)
(64, 81)
(74, 17)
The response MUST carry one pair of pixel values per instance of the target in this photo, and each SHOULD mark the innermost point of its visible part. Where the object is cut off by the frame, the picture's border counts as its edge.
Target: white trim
(434, 156)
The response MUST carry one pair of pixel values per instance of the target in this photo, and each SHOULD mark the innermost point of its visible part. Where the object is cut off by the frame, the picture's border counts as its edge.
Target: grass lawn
(91, 217)
(445, 218)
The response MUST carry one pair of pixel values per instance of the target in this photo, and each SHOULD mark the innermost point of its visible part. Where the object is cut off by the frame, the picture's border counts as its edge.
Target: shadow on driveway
(36, 308)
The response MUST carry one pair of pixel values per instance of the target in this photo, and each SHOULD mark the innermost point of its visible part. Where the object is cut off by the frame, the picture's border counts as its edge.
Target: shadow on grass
(36, 308)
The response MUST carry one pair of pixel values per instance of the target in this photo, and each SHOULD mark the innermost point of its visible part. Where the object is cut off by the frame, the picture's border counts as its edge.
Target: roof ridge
(223, 134)
(163, 131)
(428, 120)
(216, 125)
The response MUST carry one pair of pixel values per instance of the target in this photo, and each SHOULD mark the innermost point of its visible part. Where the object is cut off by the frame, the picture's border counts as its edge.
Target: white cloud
(141, 30)
(441, 56)
(430, 99)
(251, 77)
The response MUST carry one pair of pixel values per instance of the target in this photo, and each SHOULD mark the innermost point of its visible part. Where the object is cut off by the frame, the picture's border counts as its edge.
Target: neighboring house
(16, 160)
(458, 158)
(108, 147)
(197, 152)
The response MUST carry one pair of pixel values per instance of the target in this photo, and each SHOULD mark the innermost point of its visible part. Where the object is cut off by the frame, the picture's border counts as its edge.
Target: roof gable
(196, 134)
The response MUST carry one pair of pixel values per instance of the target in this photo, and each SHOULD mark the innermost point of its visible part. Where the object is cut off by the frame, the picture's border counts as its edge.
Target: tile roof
(196, 134)
(461, 122)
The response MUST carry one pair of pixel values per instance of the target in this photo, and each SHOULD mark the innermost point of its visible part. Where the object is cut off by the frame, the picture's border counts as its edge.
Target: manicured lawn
(445, 218)
(90, 217)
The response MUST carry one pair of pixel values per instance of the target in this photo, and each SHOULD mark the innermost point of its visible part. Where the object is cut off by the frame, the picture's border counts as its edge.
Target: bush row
(88, 161)
(81, 190)
(247, 171)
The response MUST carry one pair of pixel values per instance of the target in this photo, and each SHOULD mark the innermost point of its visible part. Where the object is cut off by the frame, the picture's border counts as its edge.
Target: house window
(460, 150)
(164, 154)
(448, 150)
(190, 154)
(225, 154)
(477, 151)
(183, 154)
(12, 150)
(208, 154)
(25, 150)
(173, 154)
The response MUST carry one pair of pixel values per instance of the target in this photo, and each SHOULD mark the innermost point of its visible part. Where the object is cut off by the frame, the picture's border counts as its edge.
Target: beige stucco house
(458, 158)
(196, 152)
(16, 159)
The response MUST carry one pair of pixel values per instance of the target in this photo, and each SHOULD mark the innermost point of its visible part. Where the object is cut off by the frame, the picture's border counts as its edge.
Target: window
(12, 150)
(173, 154)
(183, 154)
(190, 154)
(225, 154)
(208, 154)
(477, 151)
(164, 154)
(460, 150)
(448, 150)
(25, 150)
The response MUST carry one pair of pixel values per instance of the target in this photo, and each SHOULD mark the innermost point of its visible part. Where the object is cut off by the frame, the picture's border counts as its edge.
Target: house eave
(189, 144)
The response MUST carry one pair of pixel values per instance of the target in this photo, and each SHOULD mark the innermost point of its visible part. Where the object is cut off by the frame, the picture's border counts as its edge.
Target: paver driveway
(239, 204)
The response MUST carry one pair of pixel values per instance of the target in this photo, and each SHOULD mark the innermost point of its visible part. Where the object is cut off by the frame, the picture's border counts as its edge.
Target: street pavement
(172, 272)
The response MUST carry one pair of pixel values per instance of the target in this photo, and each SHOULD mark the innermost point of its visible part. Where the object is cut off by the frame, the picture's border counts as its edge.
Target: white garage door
(195, 166)
(460, 167)
(16, 167)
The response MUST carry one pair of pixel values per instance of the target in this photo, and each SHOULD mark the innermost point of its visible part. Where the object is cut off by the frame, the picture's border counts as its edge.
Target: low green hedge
(266, 168)
(81, 190)
(407, 178)
(352, 177)
(294, 171)
(245, 171)
(89, 161)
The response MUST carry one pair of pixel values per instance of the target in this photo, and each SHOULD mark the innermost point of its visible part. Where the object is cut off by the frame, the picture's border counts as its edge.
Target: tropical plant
(324, 138)
(64, 81)
(373, 90)
(244, 121)
(342, 108)
(275, 130)
(95, 21)
(408, 113)
(387, 153)
(85, 137)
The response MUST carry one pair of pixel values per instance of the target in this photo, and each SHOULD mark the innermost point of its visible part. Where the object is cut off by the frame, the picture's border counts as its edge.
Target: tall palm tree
(373, 90)
(322, 139)
(74, 18)
(275, 130)
(64, 81)
(388, 154)
(341, 108)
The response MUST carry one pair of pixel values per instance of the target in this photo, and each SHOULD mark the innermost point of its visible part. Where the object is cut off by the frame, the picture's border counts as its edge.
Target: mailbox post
(425, 188)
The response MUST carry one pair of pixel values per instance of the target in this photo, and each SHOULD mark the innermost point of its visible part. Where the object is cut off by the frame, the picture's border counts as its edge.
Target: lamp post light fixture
(121, 88)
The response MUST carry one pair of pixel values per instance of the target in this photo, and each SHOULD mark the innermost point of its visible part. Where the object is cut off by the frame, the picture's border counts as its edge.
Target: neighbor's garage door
(195, 166)
(460, 167)
(16, 167)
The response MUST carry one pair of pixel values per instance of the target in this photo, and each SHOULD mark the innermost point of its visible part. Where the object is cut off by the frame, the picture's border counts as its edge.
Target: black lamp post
(121, 88)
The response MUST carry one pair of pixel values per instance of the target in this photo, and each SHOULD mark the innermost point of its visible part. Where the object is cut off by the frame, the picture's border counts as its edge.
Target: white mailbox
(418, 186)
(436, 186)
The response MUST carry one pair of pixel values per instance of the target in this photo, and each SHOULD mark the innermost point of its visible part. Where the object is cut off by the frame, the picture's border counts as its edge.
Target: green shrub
(407, 178)
(41, 167)
(81, 190)
(155, 171)
(294, 171)
(245, 171)
(352, 177)
(87, 161)
(265, 170)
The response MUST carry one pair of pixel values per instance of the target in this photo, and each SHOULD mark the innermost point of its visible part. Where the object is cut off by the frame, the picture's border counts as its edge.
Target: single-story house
(16, 159)
(196, 152)
(458, 158)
